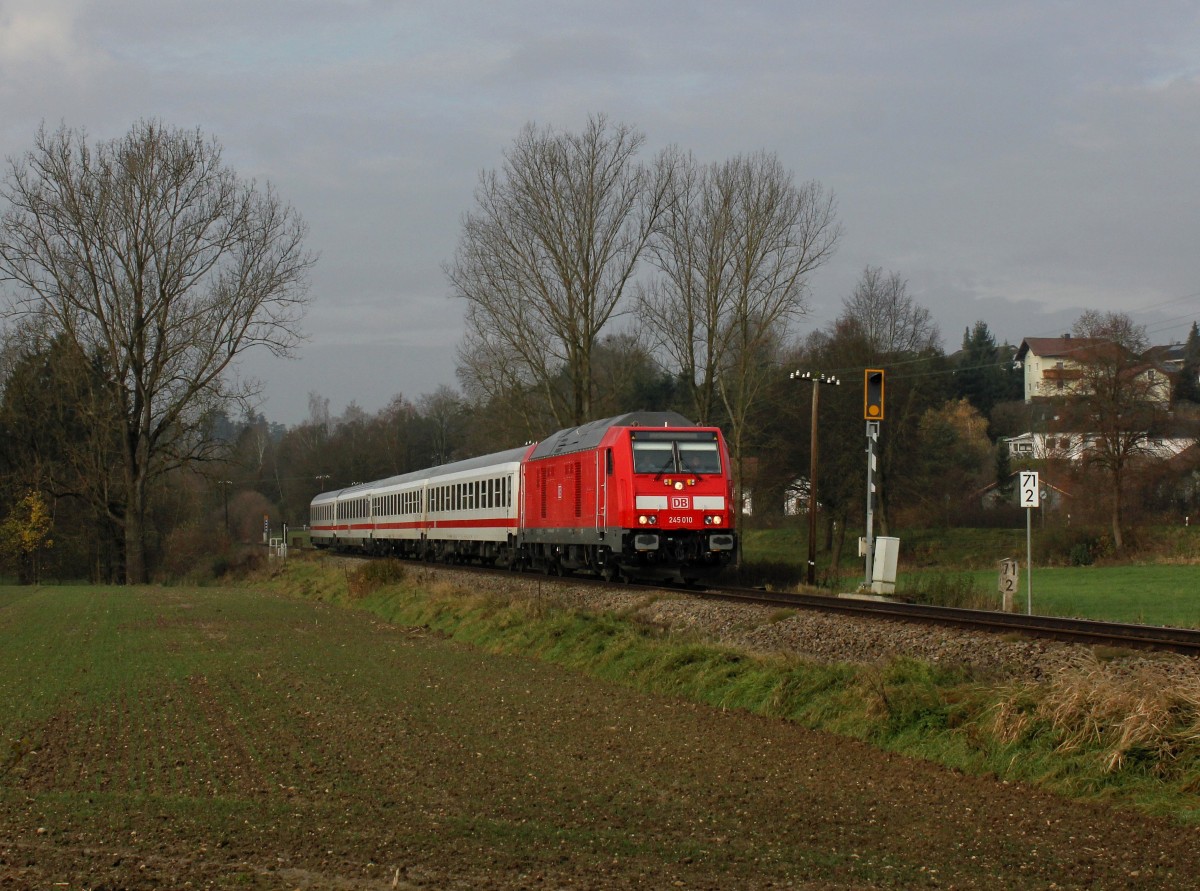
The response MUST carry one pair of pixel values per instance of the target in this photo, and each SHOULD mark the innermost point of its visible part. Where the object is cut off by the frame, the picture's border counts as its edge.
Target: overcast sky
(1016, 162)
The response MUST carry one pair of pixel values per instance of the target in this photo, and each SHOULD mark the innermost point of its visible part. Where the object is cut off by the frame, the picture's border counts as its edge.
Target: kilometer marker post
(1030, 498)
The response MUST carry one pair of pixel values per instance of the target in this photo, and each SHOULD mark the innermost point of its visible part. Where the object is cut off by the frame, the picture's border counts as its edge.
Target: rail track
(1078, 631)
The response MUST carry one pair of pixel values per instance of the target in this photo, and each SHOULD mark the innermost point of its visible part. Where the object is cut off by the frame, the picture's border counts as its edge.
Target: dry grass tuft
(1145, 711)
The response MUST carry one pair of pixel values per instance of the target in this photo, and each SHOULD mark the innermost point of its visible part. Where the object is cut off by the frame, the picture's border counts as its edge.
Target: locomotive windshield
(676, 453)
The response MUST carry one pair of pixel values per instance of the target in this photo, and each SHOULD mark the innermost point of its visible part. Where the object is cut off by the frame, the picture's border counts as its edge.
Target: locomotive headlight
(653, 519)
(678, 484)
(716, 519)
(708, 521)
(642, 519)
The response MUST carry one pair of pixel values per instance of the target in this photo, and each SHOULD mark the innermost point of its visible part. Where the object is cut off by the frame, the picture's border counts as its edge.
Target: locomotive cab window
(676, 453)
(699, 457)
(653, 457)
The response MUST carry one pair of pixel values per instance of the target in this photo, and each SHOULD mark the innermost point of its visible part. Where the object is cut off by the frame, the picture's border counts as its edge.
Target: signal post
(873, 412)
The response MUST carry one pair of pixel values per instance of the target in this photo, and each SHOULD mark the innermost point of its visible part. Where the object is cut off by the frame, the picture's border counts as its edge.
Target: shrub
(1073, 546)
(373, 575)
(946, 589)
(194, 553)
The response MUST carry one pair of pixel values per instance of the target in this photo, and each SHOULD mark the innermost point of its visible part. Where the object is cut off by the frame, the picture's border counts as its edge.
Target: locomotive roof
(573, 439)
(508, 457)
(588, 436)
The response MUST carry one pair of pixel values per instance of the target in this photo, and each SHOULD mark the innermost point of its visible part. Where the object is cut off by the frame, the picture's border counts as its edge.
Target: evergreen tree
(979, 378)
(1187, 389)
(1003, 470)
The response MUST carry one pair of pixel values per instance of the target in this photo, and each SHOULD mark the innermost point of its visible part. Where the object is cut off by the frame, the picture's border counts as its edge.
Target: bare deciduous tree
(158, 263)
(736, 244)
(1119, 397)
(888, 318)
(890, 330)
(545, 257)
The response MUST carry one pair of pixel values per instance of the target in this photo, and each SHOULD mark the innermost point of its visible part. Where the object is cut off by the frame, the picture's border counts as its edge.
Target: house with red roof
(1054, 367)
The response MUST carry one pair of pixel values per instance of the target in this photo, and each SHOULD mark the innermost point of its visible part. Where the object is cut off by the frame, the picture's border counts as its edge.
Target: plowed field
(172, 738)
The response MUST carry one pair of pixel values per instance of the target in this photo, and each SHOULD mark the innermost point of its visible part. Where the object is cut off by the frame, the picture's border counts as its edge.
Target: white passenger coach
(468, 508)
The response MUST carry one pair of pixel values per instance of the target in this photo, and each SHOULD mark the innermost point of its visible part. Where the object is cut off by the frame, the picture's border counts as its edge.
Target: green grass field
(1154, 594)
(267, 736)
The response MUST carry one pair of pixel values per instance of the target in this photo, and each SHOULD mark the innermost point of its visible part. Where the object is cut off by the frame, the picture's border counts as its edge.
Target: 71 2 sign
(1030, 493)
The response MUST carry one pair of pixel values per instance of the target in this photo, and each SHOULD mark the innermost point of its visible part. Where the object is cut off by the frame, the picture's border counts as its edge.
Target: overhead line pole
(817, 380)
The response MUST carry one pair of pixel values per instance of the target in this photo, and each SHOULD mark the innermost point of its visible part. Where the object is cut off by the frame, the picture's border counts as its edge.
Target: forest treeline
(594, 282)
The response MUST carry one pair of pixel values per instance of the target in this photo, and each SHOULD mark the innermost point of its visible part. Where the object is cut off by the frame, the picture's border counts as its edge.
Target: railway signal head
(873, 394)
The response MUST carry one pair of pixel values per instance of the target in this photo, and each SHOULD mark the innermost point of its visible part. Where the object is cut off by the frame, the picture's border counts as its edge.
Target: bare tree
(736, 244)
(1120, 398)
(158, 263)
(887, 317)
(888, 329)
(544, 259)
(444, 412)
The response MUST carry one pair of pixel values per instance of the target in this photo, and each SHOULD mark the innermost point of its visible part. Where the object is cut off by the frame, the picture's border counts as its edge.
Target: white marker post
(1031, 497)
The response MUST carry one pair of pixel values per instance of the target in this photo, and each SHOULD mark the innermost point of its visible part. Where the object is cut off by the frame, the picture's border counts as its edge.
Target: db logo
(680, 502)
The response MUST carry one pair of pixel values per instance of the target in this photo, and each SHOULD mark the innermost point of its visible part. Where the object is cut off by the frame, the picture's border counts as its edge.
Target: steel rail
(1081, 631)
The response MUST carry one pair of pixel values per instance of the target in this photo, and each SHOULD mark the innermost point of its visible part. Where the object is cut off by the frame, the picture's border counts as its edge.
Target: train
(640, 495)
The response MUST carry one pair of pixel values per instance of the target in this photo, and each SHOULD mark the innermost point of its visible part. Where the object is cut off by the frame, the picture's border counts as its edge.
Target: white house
(1073, 446)
(1053, 367)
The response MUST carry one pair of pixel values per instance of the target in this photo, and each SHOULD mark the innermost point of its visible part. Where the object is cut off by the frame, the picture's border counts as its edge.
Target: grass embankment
(1101, 731)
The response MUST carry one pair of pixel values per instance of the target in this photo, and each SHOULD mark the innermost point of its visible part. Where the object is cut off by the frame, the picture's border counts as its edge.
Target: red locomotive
(642, 494)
